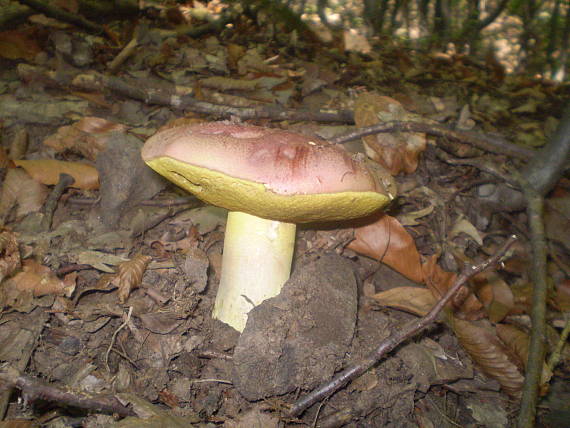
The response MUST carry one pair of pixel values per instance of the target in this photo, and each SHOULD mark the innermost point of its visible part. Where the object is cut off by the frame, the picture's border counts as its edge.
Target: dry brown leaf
(5, 162)
(17, 44)
(397, 152)
(129, 276)
(9, 254)
(495, 294)
(465, 305)
(41, 281)
(386, 240)
(518, 343)
(87, 137)
(418, 301)
(47, 171)
(22, 190)
(480, 340)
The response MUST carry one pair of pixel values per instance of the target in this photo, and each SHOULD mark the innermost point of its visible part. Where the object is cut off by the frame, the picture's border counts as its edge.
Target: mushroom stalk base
(255, 265)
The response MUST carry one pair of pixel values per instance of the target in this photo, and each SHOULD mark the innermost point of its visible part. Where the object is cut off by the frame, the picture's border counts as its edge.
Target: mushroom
(269, 180)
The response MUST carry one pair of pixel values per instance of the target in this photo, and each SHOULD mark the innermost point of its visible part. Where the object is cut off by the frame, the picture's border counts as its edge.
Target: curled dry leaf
(495, 359)
(383, 238)
(87, 137)
(47, 171)
(416, 300)
(518, 342)
(464, 304)
(22, 190)
(397, 152)
(129, 275)
(40, 281)
(9, 254)
(495, 294)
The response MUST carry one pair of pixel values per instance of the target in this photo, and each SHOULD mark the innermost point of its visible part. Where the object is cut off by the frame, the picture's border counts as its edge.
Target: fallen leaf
(22, 190)
(464, 303)
(9, 254)
(398, 152)
(386, 240)
(518, 342)
(462, 225)
(129, 276)
(16, 44)
(47, 171)
(418, 301)
(495, 294)
(480, 340)
(41, 281)
(87, 136)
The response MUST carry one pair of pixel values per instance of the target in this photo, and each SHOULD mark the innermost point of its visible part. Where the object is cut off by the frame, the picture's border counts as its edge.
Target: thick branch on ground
(548, 164)
(33, 390)
(538, 178)
(169, 97)
(408, 331)
(62, 15)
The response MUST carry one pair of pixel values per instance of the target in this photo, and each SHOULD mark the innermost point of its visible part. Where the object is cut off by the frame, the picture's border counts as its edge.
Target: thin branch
(408, 331)
(33, 390)
(486, 142)
(537, 345)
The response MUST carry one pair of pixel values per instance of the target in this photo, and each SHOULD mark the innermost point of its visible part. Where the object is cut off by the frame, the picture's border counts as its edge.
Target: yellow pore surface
(246, 196)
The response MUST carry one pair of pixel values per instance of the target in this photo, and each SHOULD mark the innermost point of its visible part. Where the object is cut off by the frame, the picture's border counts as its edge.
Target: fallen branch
(408, 331)
(537, 180)
(63, 15)
(489, 143)
(33, 390)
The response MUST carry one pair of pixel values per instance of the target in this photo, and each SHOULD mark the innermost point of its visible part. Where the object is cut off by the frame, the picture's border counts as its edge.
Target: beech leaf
(416, 300)
(398, 152)
(386, 240)
(22, 190)
(129, 275)
(47, 171)
(9, 254)
(480, 340)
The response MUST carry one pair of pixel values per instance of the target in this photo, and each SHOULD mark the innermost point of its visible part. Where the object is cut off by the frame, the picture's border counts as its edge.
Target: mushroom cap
(266, 172)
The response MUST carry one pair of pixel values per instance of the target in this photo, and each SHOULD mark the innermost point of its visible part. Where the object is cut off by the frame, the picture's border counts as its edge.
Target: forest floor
(109, 282)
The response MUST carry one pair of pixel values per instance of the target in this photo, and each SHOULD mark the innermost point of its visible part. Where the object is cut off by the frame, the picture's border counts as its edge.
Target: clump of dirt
(301, 336)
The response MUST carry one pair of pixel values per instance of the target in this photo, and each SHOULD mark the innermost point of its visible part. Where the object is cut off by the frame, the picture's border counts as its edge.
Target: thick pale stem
(256, 263)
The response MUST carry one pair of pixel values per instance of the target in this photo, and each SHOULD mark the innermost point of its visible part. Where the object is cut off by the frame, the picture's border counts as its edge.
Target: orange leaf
(416, 300)
(386, 240)
(47, 171)
(41, 281)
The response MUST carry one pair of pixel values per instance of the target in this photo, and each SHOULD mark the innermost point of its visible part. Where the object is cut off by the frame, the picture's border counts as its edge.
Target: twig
(65, 180)
(537, 180)
(33, 390)
(537, 348)
(485, 142)
(122, 326)
(554, 358)
(395, 339)
(37, 320)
